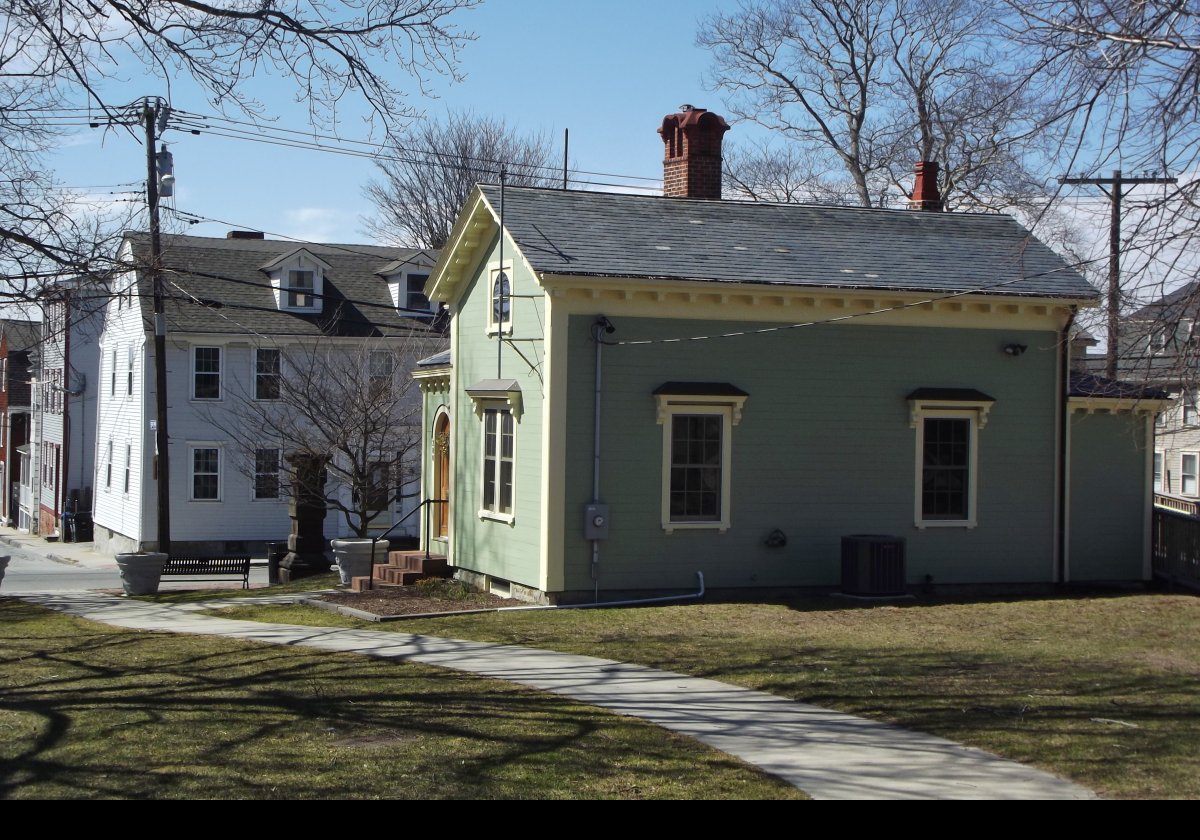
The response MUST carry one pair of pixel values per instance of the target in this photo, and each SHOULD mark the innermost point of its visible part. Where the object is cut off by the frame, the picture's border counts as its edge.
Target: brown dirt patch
(441, 596)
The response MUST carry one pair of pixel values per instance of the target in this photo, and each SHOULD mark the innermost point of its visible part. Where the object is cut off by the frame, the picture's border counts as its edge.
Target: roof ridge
(751, 203)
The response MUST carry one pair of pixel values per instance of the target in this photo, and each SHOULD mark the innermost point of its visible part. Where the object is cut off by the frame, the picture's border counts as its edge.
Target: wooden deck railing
(1189, 506)
(1176, 549)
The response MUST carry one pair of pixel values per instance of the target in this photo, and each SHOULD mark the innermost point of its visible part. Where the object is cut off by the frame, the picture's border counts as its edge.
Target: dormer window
(300, 289)
(297, 279)
(416, 301)
(406, 279)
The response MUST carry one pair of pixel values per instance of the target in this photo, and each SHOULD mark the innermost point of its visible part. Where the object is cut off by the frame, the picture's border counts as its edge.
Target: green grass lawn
(1104, 690)
(89, 711)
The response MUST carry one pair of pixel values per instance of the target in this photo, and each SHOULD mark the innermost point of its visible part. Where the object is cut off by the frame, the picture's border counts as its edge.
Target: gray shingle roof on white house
(593, 234)
(219, 286)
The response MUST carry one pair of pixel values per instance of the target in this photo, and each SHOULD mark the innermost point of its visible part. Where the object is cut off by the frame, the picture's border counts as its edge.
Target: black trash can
(68, 527)
(276, 551)
(83, 527)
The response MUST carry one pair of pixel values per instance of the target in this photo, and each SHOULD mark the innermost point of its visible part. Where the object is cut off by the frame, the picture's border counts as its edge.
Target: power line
(195, 218)
(975, 290)
(378, 148)
(297, 139)
(1117, 182)
(847, 317)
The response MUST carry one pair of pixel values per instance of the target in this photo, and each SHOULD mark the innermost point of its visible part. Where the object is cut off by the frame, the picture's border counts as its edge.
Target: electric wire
(847, 317)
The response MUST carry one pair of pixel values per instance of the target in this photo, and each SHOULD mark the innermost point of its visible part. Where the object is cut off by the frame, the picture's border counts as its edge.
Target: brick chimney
(245, 234)
(925, 195)
(692, 153)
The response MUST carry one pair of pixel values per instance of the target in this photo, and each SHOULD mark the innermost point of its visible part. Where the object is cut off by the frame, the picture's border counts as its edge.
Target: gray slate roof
(1089, 385)
(23, 336)
(436, 360)
(235, 295)
(568, 232)
(1184, 301)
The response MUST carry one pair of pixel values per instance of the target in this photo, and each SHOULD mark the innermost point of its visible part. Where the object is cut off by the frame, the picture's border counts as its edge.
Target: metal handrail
(425, 504)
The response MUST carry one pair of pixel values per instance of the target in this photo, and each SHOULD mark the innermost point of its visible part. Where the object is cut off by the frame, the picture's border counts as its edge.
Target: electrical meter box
(595, 522)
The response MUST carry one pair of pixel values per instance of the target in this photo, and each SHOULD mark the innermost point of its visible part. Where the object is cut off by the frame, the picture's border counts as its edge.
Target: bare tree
(353, 408)
(427, 178)
(780, 172)
(58, 57)
(1124, 77)
(866, 87)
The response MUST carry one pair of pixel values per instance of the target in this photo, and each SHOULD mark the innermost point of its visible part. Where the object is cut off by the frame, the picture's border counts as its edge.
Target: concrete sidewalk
(827, 754)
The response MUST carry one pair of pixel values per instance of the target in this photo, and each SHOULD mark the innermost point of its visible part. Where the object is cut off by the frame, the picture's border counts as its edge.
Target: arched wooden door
(441, 474)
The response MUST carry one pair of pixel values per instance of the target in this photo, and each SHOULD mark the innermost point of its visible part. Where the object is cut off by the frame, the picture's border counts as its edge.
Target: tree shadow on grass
(93, 712)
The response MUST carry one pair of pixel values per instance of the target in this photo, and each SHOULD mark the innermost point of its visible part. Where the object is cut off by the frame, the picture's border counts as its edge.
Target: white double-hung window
(947, 422)
(206, 373)
(266, 373)
(206, 473)
(697, 419)
(499, 451)
(301, 286)
(498, 406)
(1188, 473)
(266, 473)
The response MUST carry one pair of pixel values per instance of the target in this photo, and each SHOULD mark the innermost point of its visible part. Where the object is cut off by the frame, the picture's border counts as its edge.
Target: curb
(383, 619)
(344, 610)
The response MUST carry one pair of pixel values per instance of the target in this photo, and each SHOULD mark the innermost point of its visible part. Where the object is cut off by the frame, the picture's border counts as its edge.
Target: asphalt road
(32, 572)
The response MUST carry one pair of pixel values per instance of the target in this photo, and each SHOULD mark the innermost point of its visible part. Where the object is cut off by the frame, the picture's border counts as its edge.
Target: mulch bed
(413, 600)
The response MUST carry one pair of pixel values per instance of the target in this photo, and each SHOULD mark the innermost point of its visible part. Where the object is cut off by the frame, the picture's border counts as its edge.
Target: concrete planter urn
(4, 565)
(141, 571)
(353, 557)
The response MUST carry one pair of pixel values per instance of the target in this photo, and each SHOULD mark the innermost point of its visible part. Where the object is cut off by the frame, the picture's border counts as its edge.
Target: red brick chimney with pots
(925, 195)
(692, 153)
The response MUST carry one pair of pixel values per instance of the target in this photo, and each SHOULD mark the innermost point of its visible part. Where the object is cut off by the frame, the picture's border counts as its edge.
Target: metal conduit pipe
(636, 602)
(628, 603)
(600, 325)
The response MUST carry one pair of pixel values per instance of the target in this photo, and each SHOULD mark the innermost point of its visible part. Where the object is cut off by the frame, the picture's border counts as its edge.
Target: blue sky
(606, 72)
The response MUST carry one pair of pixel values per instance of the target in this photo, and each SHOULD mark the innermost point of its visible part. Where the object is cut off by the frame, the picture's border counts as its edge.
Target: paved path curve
(827, 754)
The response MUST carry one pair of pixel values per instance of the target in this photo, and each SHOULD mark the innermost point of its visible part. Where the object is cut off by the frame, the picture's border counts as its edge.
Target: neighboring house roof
(218, 286)
(23, 336)
(577, 233)
(436, 360)
(1173, 305)
(1083, 335)
(1089, 385)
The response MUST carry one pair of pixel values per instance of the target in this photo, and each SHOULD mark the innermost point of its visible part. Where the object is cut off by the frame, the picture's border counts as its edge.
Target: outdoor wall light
(1015, 349)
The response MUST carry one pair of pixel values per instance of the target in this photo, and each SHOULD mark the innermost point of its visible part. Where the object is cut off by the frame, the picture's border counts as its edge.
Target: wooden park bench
(217, 567)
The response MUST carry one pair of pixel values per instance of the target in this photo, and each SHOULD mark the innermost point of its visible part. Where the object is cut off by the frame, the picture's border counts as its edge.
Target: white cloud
(319, 224)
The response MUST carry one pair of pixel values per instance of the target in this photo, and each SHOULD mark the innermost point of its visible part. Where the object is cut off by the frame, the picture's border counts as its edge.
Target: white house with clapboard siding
(239, 311)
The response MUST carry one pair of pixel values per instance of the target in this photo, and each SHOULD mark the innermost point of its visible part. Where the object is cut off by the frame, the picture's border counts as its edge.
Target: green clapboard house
(644, 392)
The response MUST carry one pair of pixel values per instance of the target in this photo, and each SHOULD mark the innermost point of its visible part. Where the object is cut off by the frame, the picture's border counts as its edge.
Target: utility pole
(150, 116)
(1117, 182)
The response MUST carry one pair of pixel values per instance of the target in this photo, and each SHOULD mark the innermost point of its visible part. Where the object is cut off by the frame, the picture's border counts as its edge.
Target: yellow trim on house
(554, 448)
(435, 381)
(1116, 405)
(472, 229)
(682, 299)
